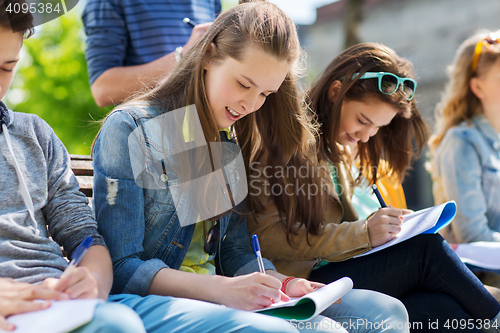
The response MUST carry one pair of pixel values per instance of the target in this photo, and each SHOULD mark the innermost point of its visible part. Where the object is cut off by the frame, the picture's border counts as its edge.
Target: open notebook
(60, 317)
(312, 304)
(480, 254)
(425, 221)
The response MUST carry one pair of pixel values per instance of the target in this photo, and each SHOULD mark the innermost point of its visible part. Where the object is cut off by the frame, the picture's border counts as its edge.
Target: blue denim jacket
(140, 225)
(466, 168)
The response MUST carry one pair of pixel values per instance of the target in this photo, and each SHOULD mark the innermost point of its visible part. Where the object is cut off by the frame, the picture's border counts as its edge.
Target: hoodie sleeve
(67, 214)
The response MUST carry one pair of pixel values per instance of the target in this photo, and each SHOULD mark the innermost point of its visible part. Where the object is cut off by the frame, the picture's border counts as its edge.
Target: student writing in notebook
(364, 99)
(242, 74)
(39, 194)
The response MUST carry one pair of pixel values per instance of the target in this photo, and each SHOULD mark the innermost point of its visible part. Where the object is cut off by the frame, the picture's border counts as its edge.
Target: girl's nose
(248, 104)
(364, 136)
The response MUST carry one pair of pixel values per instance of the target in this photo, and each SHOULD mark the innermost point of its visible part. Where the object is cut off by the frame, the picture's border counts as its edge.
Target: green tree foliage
(52, 82)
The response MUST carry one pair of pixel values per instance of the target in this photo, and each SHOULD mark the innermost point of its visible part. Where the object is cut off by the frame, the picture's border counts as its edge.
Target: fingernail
(64, 296)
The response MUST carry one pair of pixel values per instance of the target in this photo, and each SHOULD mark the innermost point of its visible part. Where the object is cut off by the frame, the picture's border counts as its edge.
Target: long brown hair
(255, 22)
(280, 129)
(459, 103)
(397, 142)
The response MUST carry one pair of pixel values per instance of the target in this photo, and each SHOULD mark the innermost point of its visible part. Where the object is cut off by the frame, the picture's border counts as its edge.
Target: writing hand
(19, 297)
(384, 225)
(250, 292)
(78, 283)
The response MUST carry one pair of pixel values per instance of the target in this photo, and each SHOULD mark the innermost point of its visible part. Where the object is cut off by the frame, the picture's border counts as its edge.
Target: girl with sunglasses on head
(466, 148)
(242, 71)
(365, 108)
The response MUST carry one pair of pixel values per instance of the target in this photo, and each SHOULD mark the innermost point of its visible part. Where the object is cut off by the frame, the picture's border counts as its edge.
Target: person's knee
(320, 323)
(265, 324)
(396, 309)
(389, 313)
(115, 318)
(430, 240)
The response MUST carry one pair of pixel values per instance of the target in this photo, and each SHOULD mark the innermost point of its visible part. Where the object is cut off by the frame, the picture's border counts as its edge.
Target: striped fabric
(134, 32)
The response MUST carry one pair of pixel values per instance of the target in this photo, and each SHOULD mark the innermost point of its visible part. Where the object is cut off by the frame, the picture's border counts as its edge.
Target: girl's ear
(476, 86)
(333, 91)
(209, 55)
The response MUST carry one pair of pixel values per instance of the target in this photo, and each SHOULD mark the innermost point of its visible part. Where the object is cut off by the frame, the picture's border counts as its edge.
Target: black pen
(187, 20)
(379, 196)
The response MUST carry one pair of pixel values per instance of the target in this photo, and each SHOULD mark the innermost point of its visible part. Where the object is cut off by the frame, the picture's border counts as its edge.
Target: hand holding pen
(77, 282)
(197, 33)
(78, 255)
(385, 224)
(258, 254)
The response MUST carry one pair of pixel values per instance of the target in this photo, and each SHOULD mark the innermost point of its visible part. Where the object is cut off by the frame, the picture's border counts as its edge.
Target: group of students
(165, 275)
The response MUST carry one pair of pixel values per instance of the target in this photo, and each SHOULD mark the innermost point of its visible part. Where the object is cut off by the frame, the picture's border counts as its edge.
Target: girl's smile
(232, 115)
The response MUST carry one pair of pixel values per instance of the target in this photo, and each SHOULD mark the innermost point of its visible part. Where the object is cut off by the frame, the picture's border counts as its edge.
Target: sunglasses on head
(488, 42)
(388, 83)
(211, 238)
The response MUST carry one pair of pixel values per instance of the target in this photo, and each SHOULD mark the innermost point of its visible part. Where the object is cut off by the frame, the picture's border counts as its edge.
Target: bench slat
(84, 172)
(82, 168)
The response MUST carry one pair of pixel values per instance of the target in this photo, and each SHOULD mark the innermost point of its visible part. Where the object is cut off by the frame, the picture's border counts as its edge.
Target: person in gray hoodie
(42, 209)
(39, 196)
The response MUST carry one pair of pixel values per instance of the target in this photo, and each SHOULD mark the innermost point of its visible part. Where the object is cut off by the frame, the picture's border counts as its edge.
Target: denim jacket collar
(484, 126)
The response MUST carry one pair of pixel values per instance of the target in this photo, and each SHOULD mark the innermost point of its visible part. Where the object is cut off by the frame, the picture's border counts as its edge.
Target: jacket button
(164, 177)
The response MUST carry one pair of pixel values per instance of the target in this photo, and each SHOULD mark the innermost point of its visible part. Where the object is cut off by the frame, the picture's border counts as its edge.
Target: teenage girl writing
(364, 102)
(244, 63)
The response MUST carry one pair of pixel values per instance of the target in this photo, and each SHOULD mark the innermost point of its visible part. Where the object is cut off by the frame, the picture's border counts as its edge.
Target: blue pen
(187, 20)
(256, 250)
(78, 254)
(379, 196)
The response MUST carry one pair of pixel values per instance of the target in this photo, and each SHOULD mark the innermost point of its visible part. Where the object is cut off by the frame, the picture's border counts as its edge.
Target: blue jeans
(369, 311)
(359, 307)
(113, 318)
(162, 314)
(407, 271)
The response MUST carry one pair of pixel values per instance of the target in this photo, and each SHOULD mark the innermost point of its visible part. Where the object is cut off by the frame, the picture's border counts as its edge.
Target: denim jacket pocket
(156, 203)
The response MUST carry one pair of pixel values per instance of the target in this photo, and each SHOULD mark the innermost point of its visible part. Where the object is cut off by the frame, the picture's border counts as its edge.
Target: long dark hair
(280, 129)
(396, 143)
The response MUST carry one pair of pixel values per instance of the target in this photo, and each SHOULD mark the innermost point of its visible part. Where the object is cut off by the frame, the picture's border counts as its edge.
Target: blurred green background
(52, 82)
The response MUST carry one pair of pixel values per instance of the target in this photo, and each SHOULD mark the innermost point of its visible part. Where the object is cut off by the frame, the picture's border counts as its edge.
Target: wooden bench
(84, 172)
